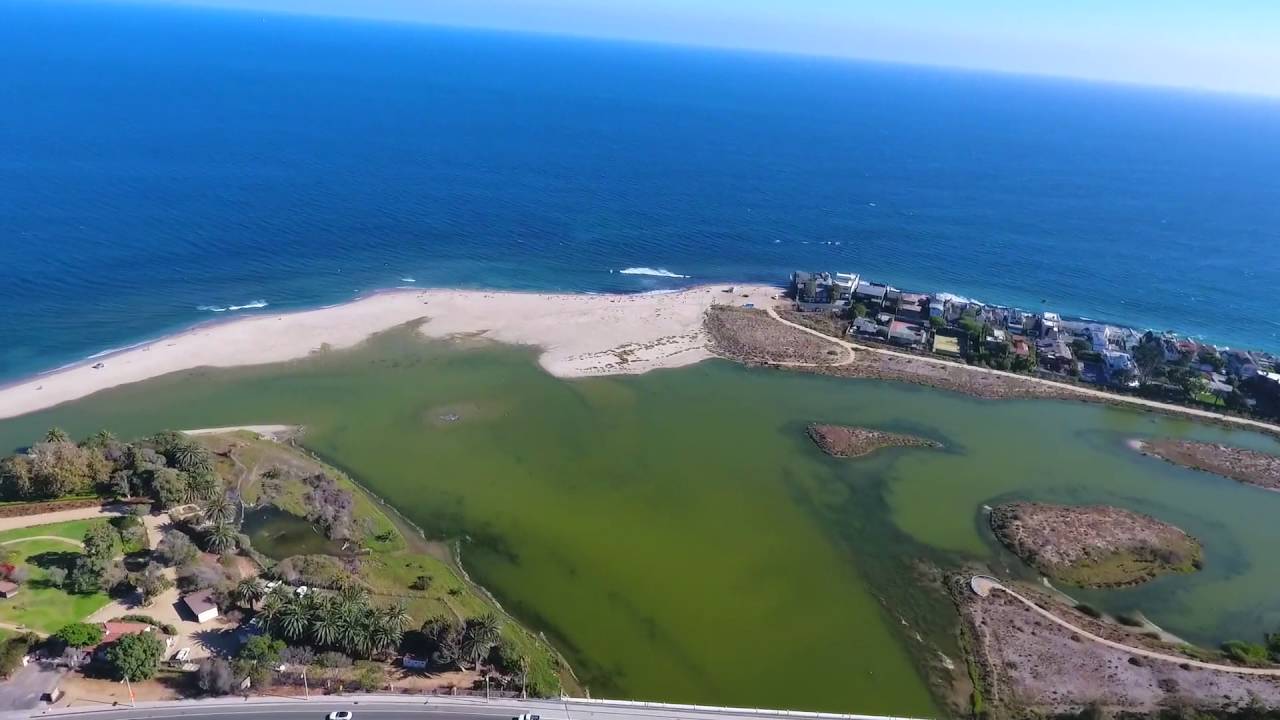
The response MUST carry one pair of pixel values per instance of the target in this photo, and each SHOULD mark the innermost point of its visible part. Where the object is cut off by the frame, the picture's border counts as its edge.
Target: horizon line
(1189, 89)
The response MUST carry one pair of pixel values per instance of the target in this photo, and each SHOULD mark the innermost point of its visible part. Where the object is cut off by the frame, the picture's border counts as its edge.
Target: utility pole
(305, 688)
(132, 702)
(486, 688)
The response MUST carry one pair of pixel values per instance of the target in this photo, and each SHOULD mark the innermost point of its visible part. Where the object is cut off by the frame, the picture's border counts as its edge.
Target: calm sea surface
(160, 167)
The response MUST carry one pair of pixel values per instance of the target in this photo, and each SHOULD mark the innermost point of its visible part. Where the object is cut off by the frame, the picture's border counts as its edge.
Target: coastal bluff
(1096, 546)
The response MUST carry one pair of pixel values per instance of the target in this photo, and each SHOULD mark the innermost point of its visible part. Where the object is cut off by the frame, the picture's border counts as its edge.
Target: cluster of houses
(1043, 342)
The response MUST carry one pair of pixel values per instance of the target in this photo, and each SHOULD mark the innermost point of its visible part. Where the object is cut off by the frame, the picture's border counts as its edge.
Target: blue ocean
(160, 167)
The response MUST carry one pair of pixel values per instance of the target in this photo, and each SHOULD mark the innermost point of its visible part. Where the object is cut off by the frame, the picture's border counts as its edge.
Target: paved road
(1086, 392)
(983, 586)
(22, 691)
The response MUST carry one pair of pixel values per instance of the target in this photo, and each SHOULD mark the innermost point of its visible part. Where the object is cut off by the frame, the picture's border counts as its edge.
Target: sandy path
(983, 586)
(266, 431)
(1084, 392)
(89, 513)
(580, 335)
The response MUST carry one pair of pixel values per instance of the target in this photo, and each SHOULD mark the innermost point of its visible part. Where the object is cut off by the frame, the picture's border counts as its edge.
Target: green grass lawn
(38, 605)
(73, 530)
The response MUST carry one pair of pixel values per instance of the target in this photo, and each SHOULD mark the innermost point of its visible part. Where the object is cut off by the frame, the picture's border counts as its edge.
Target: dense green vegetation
(168, 467)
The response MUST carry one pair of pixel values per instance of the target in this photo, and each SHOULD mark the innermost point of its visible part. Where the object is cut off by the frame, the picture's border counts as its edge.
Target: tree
(937, 323)
(168, 487)
(478, 638)
(101, 543)
(56, 577)
(293, 619)
(101, 440)
(257, 657)
(57, 435)
(214, 676)
(151, 582)
(79, 635)
(221, 538)
(16, 477)
(220, 510)
(201, 485)
(85, 577)
(248, 592)
(136, 656)
(175, 548)
(1149, 355)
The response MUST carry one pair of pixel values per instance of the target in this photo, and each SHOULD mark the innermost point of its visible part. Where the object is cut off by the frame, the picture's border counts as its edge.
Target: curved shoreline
(580, 335)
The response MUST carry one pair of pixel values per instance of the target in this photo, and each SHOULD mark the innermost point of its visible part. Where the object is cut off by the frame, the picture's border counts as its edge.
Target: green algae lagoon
(680, 539)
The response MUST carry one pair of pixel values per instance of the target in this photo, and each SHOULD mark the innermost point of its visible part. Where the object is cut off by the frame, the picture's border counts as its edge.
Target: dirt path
(89, 513)
(1084, 392)
(983, 586)
(55, 538)
(23, 629)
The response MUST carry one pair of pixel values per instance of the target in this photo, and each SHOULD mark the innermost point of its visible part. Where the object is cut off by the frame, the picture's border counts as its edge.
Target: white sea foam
(407, 279)
(654, 272)
(958, 299)
(232, 308)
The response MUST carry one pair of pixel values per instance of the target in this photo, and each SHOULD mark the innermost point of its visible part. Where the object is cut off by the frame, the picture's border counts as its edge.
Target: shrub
(1244, 652)
(297, 656)
(332, 659)
(1130, 619)
(175, 548)
(372, 677)
(1089, 610)
(422, 582)
(79, 635)
(164, 627)
(214, 676)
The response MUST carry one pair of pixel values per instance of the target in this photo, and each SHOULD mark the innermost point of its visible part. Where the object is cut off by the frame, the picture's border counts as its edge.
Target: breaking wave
(654, 272)
(232, 308)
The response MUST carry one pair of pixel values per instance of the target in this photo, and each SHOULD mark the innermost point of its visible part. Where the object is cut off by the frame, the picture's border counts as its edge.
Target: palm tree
(56, 435)
(293, 620)
(383, 635)
(269, 613)
(325, 626)
(397, 618)
(221, 537)
(100, 439)
(220, 509)
(201, 486)
(190, 456)
(350, 619)
(248, 592)
(479, 637)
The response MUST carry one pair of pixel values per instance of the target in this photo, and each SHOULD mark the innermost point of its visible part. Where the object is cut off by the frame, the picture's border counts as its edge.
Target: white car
(340, 715)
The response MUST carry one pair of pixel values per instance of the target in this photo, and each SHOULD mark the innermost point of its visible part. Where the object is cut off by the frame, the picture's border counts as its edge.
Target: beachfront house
(865, 327)
(1054, 355)
(813, 292)
(937, 308)
(870, 294)
(845, 284)
(906, 334)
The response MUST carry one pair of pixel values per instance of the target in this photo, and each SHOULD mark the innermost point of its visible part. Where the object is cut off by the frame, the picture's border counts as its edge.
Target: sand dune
(580, 335)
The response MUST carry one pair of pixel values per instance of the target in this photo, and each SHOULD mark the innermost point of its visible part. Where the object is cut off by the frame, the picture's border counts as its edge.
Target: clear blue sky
(1231, 45)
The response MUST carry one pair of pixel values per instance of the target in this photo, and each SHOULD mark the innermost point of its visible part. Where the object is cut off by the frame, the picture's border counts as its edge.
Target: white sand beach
(580, 335)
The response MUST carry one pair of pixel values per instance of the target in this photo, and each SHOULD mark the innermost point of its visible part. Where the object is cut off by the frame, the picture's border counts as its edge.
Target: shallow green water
(278, 534)
(681, 539)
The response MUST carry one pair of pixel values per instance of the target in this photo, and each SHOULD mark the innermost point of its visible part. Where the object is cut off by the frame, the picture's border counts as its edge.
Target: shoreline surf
(580, 334)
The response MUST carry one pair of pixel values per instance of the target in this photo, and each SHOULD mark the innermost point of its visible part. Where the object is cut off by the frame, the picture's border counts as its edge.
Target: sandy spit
(580, 335)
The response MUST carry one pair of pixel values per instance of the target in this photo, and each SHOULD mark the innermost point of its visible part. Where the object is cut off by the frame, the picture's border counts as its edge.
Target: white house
(201, 605)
